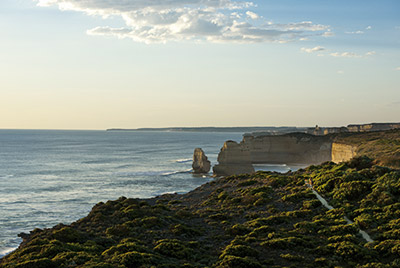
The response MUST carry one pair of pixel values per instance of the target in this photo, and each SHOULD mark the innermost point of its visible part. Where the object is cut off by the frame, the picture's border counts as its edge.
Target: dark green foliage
(172, 248)
(238, 262)
(261, 220)
(39, 263)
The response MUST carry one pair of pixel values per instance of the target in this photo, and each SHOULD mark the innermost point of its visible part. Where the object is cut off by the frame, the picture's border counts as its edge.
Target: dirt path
(329, 207)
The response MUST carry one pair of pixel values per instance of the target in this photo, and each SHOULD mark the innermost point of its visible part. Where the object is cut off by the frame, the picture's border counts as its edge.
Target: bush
(238, 229)
(239, 251)
(68, 234)
(238, 262)
(172, 248)
(39, 263)
(291, 257)
(135, 259)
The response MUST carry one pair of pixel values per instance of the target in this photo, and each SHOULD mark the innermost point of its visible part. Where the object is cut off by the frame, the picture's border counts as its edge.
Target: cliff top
(384, 146)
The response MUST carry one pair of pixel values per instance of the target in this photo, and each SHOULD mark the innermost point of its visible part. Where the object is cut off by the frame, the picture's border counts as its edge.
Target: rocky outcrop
(295, 148)
(306, 149)
(373, 127)
(319, 131)
(201, 164)
(233, 159)
(343, 152)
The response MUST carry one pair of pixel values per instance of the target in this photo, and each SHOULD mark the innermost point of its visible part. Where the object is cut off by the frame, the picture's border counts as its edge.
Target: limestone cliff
(301, 148)
(295, 148)
(233, 159)
(373, 127)
(343, 152)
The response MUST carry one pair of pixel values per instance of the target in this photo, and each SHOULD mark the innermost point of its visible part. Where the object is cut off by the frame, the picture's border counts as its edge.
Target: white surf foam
(6, 251)
(184, 160)
(6, 176)
(152, 173)
(176, 172)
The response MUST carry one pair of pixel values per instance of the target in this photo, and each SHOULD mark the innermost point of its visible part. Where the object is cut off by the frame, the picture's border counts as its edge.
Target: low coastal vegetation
(383, 146)
(262, 220)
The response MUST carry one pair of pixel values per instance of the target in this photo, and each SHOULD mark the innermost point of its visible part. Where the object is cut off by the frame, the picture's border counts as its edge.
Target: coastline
(257, 220)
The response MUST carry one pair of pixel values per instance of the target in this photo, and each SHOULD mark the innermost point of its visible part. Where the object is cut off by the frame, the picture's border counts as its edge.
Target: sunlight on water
(48, 177)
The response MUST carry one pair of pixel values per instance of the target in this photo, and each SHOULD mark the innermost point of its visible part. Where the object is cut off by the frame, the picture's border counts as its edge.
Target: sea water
(51, 176)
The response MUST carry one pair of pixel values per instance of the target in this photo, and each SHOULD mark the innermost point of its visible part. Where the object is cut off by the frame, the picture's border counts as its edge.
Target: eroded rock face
(201, 164)
(296, 148)
(373, 127)
(343, 152)
(233, 159)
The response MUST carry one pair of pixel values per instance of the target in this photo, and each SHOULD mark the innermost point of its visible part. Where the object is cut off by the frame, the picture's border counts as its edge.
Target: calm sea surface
(52, 176)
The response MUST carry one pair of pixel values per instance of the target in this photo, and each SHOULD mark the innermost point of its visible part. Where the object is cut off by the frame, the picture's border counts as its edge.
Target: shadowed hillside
(261, 220)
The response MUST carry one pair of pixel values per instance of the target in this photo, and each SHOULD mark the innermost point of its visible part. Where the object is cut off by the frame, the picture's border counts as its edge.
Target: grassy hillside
(383, 145)
(261, 220)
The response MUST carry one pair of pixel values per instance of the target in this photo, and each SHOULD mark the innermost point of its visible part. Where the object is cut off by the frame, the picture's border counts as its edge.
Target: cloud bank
(160, 21)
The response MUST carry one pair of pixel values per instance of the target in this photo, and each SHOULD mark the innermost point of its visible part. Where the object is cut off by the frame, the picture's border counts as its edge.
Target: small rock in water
(201, 164)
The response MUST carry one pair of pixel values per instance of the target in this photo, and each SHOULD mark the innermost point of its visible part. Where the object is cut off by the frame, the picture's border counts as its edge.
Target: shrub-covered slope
(384, 146)
(261, 220)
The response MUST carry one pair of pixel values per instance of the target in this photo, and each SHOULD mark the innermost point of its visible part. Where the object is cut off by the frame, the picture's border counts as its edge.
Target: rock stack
(201, 164)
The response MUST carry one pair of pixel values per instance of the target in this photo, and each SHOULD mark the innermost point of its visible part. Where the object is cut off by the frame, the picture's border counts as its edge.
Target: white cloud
(345, 55)
(158, 21)
(356, 32)
(351, 54)
(360, 31)
(312, 50)
(252, 15)
(397, 69)
(328, 33)
(340, 72)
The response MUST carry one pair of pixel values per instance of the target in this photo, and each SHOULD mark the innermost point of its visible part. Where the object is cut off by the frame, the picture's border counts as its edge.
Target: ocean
(55, 176)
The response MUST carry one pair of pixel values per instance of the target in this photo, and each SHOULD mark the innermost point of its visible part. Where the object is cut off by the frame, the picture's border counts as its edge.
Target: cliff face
(300, 148)
(296, 148)
(233, 159)
(373, 127)
(342, 152)
(293, 149)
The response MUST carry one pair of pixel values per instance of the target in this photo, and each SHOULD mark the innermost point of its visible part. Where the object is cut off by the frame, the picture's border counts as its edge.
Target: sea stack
(201, 164)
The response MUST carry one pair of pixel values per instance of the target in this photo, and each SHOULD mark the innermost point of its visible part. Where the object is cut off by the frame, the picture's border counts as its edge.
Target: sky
(97, 64)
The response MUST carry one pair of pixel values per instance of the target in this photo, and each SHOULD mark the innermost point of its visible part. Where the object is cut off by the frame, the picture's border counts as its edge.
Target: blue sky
(94, 64)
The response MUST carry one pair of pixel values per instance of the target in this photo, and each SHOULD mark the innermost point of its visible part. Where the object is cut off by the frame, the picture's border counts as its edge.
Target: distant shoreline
(217, 129)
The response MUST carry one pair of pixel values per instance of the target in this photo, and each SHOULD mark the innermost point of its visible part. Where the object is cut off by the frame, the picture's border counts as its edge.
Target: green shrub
(182, 229)
(247, 183)
(238, 229)
(135, 259)
(347, 250)
(282, 243)
(238, 262)
(291, 257)
(68, 234)
(39, 263)
(239, 251)
(172, 248)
